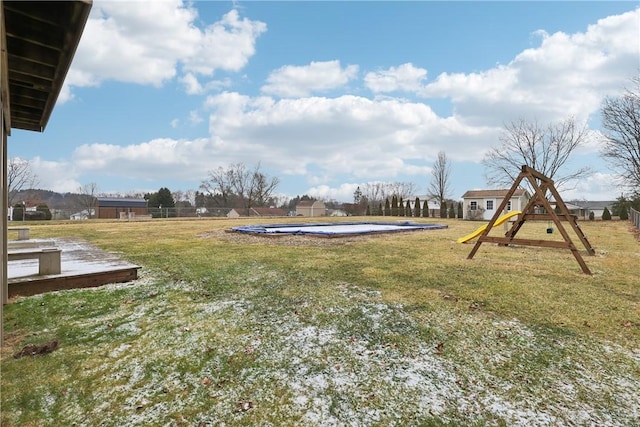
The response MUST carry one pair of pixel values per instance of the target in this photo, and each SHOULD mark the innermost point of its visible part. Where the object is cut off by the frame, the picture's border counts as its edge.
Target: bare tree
(621, 118)
(402, 189)
(219, 185)
(378, 192)
(440, 186)
(87, 198)
(261, 187)
(19, 177)
(545, 149)
(248, 187)
(374, 192)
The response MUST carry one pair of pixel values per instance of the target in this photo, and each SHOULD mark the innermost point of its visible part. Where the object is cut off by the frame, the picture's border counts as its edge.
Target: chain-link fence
(179, 212)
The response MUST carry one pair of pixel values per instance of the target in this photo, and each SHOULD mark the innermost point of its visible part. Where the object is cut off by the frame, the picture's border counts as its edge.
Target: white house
(82, 215)
(583, 208)
(482, 204)
(265, 212)
(432, 203)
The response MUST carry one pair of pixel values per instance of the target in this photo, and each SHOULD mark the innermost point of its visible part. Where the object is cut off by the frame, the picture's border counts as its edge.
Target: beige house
(310, 208)
(482, 204)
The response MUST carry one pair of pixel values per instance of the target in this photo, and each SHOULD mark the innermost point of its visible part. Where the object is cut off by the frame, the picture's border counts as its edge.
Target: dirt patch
(37, 349)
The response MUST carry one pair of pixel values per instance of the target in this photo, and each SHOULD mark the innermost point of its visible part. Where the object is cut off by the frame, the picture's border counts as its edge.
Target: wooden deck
(83, 266)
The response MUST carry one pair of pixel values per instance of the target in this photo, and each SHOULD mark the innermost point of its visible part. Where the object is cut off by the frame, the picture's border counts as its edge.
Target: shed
(481, 204)
(113, 207)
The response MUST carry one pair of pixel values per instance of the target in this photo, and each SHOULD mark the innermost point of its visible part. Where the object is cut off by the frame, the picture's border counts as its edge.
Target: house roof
(118, 202)
(308, 203)
(41, 40)
(585, 204)
(270, 211)
(478, 194)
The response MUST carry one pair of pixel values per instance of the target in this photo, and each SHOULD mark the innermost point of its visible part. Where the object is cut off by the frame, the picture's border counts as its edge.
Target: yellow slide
(479, 231)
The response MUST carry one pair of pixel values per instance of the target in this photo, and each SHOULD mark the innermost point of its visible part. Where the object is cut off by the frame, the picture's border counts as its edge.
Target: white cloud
(405, 77)
(344, 192)
(298, 81)
(184, 159)
(599, 186)
(191, 84)
(194, 117)
(144, 42)
(225, 45)
(56, 176)
(566, 75)
(345, 135)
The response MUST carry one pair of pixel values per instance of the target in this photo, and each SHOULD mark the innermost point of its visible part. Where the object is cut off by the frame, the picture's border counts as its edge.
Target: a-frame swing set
(540, 185)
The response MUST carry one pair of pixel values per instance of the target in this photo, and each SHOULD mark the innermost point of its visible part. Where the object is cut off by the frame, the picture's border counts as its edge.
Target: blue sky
(326, 96)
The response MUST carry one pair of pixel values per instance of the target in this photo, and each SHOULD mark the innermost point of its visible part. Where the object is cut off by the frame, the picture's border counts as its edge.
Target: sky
(327, 96)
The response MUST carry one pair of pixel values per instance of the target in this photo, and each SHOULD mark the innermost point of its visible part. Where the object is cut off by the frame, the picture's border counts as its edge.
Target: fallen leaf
(206, 381)
(627, 324)
(439, 348)
(587, 324)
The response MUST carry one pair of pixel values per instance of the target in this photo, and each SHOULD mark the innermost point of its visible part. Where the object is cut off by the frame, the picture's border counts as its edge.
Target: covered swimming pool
(334, 229)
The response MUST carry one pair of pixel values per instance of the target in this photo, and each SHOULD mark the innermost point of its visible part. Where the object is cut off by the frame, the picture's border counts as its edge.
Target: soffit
(41, 40)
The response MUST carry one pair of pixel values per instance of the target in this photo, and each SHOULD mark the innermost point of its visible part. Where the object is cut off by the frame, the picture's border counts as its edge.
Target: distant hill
(53, 200)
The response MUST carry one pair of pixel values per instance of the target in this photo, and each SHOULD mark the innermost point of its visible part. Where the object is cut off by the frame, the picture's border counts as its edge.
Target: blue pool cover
(335, 229)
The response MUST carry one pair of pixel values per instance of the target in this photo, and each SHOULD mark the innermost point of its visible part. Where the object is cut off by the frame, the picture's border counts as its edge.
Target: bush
(443, 209)
(591, 216)
(394, 206)
(18, 212)
(623, 214)
(425, 209)
(44, 210)
(460, 212)
(416, 207)
(606, 215)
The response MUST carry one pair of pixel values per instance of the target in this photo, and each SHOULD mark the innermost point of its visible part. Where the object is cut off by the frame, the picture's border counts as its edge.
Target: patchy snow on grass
(337, 358)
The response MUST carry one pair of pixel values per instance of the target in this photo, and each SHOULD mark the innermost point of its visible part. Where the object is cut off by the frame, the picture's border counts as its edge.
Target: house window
(473, 205)
(489, 205)
(509, 205)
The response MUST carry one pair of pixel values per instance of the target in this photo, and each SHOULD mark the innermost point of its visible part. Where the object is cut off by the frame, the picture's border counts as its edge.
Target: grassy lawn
(396, 329)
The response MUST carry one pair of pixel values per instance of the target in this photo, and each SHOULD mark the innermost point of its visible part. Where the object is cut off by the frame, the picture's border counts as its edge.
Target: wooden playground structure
(538, 209)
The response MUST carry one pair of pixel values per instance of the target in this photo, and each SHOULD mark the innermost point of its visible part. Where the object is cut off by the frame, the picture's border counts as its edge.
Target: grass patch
(397, 329)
